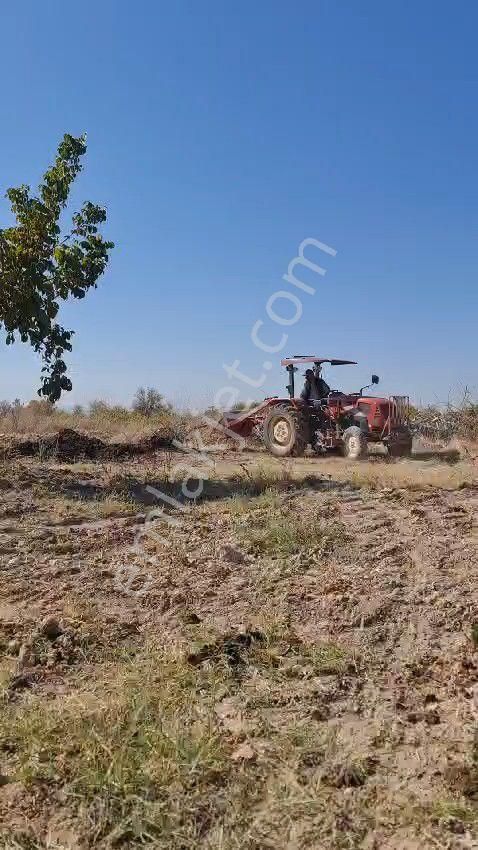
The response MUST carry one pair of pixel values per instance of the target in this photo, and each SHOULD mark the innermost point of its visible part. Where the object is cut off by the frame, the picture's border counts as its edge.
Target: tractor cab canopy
(290, 361)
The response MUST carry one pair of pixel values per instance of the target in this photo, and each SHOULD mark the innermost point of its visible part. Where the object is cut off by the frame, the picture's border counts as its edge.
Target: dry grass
(167, 750)
(103, 421)
(415, 474)
(68, 510)
(240, 504)
(263, 475)
(372, 474)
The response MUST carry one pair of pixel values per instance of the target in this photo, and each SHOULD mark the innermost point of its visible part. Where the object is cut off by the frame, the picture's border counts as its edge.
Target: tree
(149, 401)
(39, 267)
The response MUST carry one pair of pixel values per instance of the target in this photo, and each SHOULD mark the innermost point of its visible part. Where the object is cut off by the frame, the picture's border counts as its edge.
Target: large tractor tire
(355, 443)
(285, 431)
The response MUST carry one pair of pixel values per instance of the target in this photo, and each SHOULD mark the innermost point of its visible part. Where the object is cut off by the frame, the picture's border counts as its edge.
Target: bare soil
(304, 638)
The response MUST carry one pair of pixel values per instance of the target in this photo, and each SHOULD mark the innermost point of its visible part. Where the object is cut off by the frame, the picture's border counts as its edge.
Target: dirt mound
(67, 444)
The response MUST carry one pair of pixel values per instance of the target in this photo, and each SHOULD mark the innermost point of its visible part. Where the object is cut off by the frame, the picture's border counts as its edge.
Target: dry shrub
(101, 419)
(442, 424)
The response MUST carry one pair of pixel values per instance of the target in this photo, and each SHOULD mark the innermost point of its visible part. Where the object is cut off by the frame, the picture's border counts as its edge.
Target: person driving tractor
(315, 387)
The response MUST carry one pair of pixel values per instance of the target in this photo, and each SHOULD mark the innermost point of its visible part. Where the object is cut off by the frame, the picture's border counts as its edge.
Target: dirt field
(289, 662)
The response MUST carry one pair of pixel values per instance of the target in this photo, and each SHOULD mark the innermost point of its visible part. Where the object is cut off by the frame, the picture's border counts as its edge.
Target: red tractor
(348, 422)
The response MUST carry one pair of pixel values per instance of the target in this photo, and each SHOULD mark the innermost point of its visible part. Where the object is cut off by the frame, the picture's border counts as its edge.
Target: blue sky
(221, 135)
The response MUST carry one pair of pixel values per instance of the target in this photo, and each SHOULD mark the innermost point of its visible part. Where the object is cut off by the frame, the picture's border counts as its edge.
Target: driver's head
(309, 374)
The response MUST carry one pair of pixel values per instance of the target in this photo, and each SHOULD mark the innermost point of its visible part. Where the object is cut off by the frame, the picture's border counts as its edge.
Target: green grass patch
(145, 753)
(289, 534)
(446, 811)
(138, 758)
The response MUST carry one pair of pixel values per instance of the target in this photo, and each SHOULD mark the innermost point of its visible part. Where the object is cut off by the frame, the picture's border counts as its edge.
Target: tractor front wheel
(285, 431)
(355, 443)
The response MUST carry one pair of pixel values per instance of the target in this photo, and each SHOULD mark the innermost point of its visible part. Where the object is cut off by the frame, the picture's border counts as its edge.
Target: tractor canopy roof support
(289, 361)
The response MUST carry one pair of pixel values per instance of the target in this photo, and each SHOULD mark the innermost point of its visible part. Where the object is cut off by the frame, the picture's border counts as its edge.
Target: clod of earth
(50, 628)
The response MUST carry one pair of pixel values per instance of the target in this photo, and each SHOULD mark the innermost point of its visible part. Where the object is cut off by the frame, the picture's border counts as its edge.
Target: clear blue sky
(220, 136)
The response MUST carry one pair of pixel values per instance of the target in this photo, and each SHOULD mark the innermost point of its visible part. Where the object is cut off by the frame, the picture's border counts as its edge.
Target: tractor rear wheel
(285, 431)
(355, 443)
